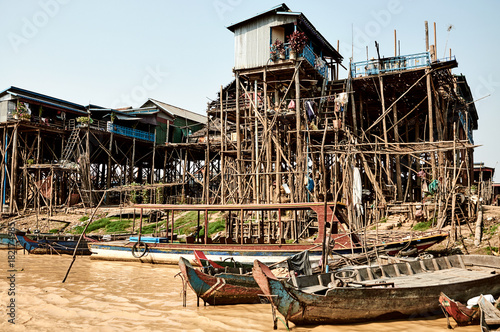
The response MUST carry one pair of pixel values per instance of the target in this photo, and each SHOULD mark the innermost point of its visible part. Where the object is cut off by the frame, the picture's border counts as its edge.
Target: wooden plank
(461, 261)
(491, 314)
(436, 266)
(447, 262)
(408, 266)
(370, 274)
(396, 270)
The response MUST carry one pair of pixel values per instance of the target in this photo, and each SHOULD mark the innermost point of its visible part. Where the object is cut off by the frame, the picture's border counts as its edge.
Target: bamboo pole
(222, 160)
(91, 219)
(238, 137)
(13, 170)
(431, 122)
(398, 159)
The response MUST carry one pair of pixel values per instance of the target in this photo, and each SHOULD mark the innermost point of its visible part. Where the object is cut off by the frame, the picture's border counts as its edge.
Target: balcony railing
(311, 57)
(130, 132)
(375, 67)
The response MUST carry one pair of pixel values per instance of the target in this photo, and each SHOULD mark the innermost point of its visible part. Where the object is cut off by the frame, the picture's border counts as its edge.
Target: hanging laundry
(310, 185)
(434, 187)
(310, 110)
(341, 98)
(357, 191)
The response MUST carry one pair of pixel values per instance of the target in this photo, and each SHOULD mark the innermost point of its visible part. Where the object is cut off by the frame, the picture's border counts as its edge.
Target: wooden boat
(50, 243)
(220, 289)
(381, 292)
(245, 251)
(8, 241)
(490, 315)
(458, 311)
(205, 263)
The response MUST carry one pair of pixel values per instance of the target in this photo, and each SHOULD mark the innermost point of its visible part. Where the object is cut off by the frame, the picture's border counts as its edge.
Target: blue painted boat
(50, 243)
(8, 241)
(220, 289)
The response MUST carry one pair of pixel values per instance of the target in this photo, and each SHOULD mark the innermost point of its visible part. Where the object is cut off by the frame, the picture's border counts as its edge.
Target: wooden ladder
(69, 149)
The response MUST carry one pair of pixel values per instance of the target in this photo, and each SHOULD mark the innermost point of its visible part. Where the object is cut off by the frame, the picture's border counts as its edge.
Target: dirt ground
(465, 233)
(66, 220)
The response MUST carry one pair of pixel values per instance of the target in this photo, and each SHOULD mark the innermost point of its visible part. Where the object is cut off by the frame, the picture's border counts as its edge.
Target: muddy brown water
(126, 296)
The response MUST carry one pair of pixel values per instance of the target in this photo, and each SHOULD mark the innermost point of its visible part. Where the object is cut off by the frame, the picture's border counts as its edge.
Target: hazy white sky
(120, 52)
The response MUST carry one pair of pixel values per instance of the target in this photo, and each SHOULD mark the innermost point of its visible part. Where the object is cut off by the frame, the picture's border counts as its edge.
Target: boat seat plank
(447, 262)
(396, 270)
(436, 266)
(314, 289)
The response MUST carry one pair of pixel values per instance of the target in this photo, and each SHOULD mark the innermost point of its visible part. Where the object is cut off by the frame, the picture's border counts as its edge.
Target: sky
(119, 53)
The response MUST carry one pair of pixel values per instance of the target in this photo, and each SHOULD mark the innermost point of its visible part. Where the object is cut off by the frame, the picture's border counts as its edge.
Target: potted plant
(21, 112)
(298, 41)
(84, 120)
(473, 189)
(280, 48)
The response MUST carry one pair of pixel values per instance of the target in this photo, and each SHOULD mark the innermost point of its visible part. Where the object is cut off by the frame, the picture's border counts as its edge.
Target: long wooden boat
(458, 311)
(244, 252)
(490, 315)
(50, 243)
(8, 241)
(382, 292)
(220, 289)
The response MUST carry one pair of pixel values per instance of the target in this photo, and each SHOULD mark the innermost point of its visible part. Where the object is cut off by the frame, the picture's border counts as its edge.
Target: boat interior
(418, 273)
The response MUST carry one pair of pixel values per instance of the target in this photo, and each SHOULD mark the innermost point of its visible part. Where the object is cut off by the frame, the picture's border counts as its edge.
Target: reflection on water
(123, 296)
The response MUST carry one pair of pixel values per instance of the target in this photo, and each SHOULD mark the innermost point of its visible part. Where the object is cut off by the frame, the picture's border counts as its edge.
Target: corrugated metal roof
(41, 101)
(44, 99)
(178, 112)
(145, 112)
(280, 8)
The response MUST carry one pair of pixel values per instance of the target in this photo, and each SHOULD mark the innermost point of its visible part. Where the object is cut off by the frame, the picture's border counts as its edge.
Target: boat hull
(343, 305)
(221, 289)
(8, 242)
(458, 311)
(53, 244)
(170, 253)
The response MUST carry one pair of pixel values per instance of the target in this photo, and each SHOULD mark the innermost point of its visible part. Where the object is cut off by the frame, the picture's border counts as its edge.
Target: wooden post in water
(206, 226)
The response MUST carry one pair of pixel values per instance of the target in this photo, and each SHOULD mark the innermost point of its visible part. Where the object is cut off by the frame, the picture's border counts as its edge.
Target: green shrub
(493, 229)
(117, 226)
(214, 227)
(423, 226)
(84, 218)
(54, 231)
(490, 250)
(149, 229)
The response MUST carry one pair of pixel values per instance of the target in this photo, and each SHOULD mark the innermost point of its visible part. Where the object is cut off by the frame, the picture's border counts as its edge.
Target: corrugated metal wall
(252, 41)
(3, 111)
